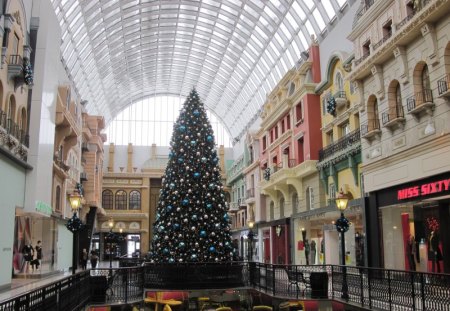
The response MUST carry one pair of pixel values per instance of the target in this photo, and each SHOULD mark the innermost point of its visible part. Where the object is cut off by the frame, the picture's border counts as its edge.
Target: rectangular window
(264, 143)
(288, 122)
(366, 48)
(282, 126)
(300, 151)
(330, 137)
(387, 29)
(344, 128)
(356, 118)
(331, 191)
(15, 45)
(299, 112)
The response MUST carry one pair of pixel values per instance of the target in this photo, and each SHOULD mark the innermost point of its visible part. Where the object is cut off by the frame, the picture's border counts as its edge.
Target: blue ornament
(182, 128)
(172, 185)
(203, 159)
(196, 113)
(193, 142)
(196, 175)
(209, 206)
(226, 217)
(194, 217)
(211, 186)
(180, 160)
(212, 249)
(169, 208)
(165, 251)
(217, 225)
(160, 229)
(185, 202)
(170, 154)
(203, 233)
(171, 260)
(216, 160)
(194, 256)
(209, 138)
(181, 245)
(176, 226)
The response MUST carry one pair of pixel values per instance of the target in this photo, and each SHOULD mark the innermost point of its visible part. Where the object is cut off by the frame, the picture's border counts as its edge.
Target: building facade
(401, 72)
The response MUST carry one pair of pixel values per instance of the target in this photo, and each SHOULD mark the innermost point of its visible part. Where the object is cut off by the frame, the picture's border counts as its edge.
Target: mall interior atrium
(307, 141)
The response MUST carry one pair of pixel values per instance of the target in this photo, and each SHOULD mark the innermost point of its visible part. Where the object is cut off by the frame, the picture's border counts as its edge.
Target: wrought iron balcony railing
(362, 58)
(370, 127)
(444, 85)
(425, 96)
(292, 163)
(364, 9)
(15, 60)
(393, 113)
(14, 130)
(341, 144)
(383, 40)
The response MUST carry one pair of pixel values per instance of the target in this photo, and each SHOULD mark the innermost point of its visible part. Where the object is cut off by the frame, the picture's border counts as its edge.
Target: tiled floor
(23, 285)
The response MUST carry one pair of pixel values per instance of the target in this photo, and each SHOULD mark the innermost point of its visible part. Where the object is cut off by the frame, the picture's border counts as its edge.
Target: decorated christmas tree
(192, 223)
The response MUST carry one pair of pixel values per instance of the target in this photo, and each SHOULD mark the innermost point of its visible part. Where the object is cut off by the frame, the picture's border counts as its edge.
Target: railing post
(389, 289)
(422, 289)
(413, 293)
(369, 274)
(126, 284)
(361, 283)
(273, 279)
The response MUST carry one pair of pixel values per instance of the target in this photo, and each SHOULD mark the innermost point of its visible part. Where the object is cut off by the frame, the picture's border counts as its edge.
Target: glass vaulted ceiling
(232, 51)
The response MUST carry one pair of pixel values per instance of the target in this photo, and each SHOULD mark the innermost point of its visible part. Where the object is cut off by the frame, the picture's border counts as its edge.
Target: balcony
(83, 176)
(351, 139)
(363, 11)
(341, 99)
(393, 117)
(12, 137)
(370, 129)
(59, 162)
(15, 67)
(382, 41)
(85, 147)
(406, 20)
(421, 103)
(444, 86)
(362, 58)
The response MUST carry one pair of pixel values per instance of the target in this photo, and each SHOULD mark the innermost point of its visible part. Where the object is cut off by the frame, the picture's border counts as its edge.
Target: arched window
(11, 111)
(426, 85)
(309, 198)
(281, 207)
(135, 200)
(23, 120)
(395, 110)
(422, 86)
(373, 121)
(121, 200)
(339, 82)
(107, 199)
(295, 203)
(58, 198)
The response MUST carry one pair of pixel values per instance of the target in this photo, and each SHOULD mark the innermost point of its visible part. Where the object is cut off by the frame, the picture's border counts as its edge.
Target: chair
(295, 277)
(262, 308)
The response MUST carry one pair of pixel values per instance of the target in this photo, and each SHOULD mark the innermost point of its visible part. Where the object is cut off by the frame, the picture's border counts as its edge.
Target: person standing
(84, 259)
(94, 259)
(38, 249)
(28, 254)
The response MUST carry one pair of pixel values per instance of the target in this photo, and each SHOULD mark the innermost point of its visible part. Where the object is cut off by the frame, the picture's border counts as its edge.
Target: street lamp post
(250, 237)
(110, 238)
(342, 225)
(74, 225)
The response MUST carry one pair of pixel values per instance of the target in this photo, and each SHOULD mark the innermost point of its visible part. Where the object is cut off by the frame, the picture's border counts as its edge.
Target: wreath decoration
(27, 72)
(331, 106)
(267, 174)
(342, 224)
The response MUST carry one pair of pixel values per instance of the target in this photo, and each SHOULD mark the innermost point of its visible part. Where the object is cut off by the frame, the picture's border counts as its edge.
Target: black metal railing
(383, 40)
(364, 9)
(406, 20)
(342, 143)
(250, 193)
(369, 126)
(380, 289)
(444, 84)
(424, 96)
(392, 113)
(362, 58)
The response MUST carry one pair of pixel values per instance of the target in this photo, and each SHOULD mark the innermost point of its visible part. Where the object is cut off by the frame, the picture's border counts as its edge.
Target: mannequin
(313, 252)
(434, 254)
(307, 250)
(39, 252)
(28, 254)
(411, 252)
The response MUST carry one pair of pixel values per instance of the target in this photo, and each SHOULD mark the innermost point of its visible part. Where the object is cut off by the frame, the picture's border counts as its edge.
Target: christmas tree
(192, 223)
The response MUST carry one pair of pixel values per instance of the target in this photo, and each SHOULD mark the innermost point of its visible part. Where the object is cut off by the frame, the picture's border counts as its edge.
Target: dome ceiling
(233, 51)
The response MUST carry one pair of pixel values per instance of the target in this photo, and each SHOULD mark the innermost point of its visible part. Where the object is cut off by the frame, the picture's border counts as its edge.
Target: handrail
(367, 287)
(343, 142)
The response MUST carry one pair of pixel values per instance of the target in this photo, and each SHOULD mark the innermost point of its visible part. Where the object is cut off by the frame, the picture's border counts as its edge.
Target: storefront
(317, 242)
(414, 221)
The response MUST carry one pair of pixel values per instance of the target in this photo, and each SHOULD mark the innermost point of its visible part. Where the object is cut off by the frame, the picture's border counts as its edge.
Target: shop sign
(43, 208)
(424, 189)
